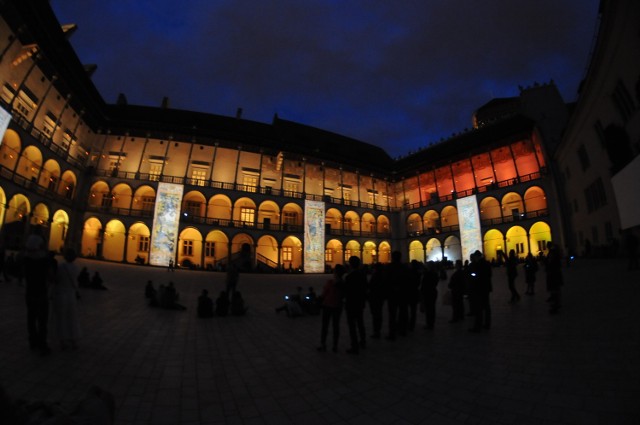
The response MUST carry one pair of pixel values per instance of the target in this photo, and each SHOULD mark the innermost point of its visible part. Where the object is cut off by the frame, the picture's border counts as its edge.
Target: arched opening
(30, 163)
(535, 202)
(384, 252)
(10, 149)
(138, 243)
(216, 250)
(190, 248)
(512, 207)
(416, 251)
(333, 221)
(368, 224)
(432, 222)
(100, 195)
(193, 205)
(539, 236)
(490, 211)
(144, 200)
(219, 207)
(414, 225)
(58, 231)
(269, 215)
(517, 240)
(351, 223)
(452, 249)
(493, 243)
(333, 253)
(351, 248)
(434, 250)
(242, 253)
(114, 239)
(267, 254)
(291, 255)
(369, 253)
(121, 197)
(384, 227)
(91, 238)
(449, 217)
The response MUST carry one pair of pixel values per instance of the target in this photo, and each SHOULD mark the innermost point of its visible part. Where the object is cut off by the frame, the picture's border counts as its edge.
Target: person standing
(396, 276)
(376, 298)
(332, 307)
(233, 275)
(511, 263)
(530, 270)
(355, 290)
(413, 293)
(38, 270)
(65, 298)
(554, 277)
(480, 288)
(429, 290)
(457, 286)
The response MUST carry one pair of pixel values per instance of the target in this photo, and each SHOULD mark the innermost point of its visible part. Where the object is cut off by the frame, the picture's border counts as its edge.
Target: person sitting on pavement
(292, 304)
(151, 294)
(238, 308)
(222, 304)
(96, 281)
(205, 305)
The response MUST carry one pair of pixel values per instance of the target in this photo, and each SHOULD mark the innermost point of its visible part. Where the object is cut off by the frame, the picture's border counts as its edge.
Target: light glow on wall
(314, 222)
(166, 219)
(469, 219)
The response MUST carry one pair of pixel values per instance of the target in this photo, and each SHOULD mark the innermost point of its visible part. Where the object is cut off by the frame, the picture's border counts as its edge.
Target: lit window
(287, 253)
(247, 215)
(187, 247)
(155, 170)
(209, 249)
(143, 244)
(328, 255)
(250, 182)
(199, 175)
(290, 217)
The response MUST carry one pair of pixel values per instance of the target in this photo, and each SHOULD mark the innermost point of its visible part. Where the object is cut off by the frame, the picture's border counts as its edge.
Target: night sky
(397, 74)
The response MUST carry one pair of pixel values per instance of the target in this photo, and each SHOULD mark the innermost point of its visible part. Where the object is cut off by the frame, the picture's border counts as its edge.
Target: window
(290, 185)
(199, 176)
(623, 101)
(155, 169)
(250, 182)
(287, 253)
(49, 124)
(520, 248)
(67, 139)
(187, 248)
(347, 255)
(328, 255)
(114, 163)
(247, 216)
(583, 157)
(209, 249)
(192, 208)
(542, 245)
(148, 202)
(290, 217)
(595, 195)
(143, 244)
(107, 199)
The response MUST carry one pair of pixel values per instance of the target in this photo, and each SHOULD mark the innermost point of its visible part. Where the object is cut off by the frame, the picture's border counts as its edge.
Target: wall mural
(469, 219)
(314, 237)
(166, 220)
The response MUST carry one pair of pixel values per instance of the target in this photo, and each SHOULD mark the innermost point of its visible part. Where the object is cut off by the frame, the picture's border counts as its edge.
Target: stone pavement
(168, 367)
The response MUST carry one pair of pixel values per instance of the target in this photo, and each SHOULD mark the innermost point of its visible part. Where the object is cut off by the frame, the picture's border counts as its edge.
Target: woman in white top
(65, 294)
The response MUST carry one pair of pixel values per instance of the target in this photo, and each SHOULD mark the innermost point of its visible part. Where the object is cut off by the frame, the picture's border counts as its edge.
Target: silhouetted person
(171, 267)
(480, 288)
(233, 275)
(355, 293)
(457, 286)
(429, 289)
(222, 304)
(530, 270)
(238, 308)
(511, 263)
(96, 281)
(205, 305)
(151, 294)
(554, 277)
(169, 298)
(310, 302)
(413, 292)
(376, 297)
(397, 275)
(65, 299)
(332, 307)
(292, 304)
(84, 280)
(38, 271)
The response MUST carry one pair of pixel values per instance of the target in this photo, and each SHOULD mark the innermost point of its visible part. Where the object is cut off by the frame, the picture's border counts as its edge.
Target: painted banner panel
(469, 219)
(5, 118)
(314, 237)
(166, 220)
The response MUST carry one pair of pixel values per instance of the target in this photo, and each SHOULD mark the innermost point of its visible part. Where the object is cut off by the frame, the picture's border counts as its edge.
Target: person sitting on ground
(205, 305)
(292, 304)
(237, 304)
(84, 281)
(151, 294)
(96, 281)
(222, 304)
(170, 298)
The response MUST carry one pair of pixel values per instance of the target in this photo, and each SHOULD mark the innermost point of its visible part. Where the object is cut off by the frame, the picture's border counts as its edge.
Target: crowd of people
(406, 289)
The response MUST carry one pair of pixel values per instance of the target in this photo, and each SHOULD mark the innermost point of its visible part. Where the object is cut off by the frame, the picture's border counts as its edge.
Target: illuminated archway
(518, 241)
(512, 206)
(91, 238)
(452, 248)
(10, 149)
(351, 222)
(68, 183)
(219, 207)
(539, 236)
(40, 215)
(144, 201)
(414, 224)
(122, 196)
(291, 256)
(114, 239)
(3, 201)
(292, 215)
(333, 218)
(193, 204)
(190, 248)
(416, 251)
(99, 195)
(267, 252)
(138, 243)
(384, 252)
(369, 253)
(490, 211)
(432, 222)
(30, 163)
(368, 224)
(269, 215)
(50, 175)
(384, 228)
(216, 249)
(492, 243)
(19, 208)
(58, 231)
(535, 200)
(244, 210)
(242, 251)
(434, 250)
(449, 217)
(333, 253)
(352, 248)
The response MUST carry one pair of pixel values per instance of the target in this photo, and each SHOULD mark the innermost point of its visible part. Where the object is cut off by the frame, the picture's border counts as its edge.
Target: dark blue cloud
(396, 74)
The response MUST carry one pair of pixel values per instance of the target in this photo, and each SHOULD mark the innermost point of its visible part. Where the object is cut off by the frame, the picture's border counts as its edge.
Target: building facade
(90, 175)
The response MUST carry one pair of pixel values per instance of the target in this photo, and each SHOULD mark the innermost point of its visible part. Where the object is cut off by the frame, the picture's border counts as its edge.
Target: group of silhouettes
(167, 297)
(406, 289)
